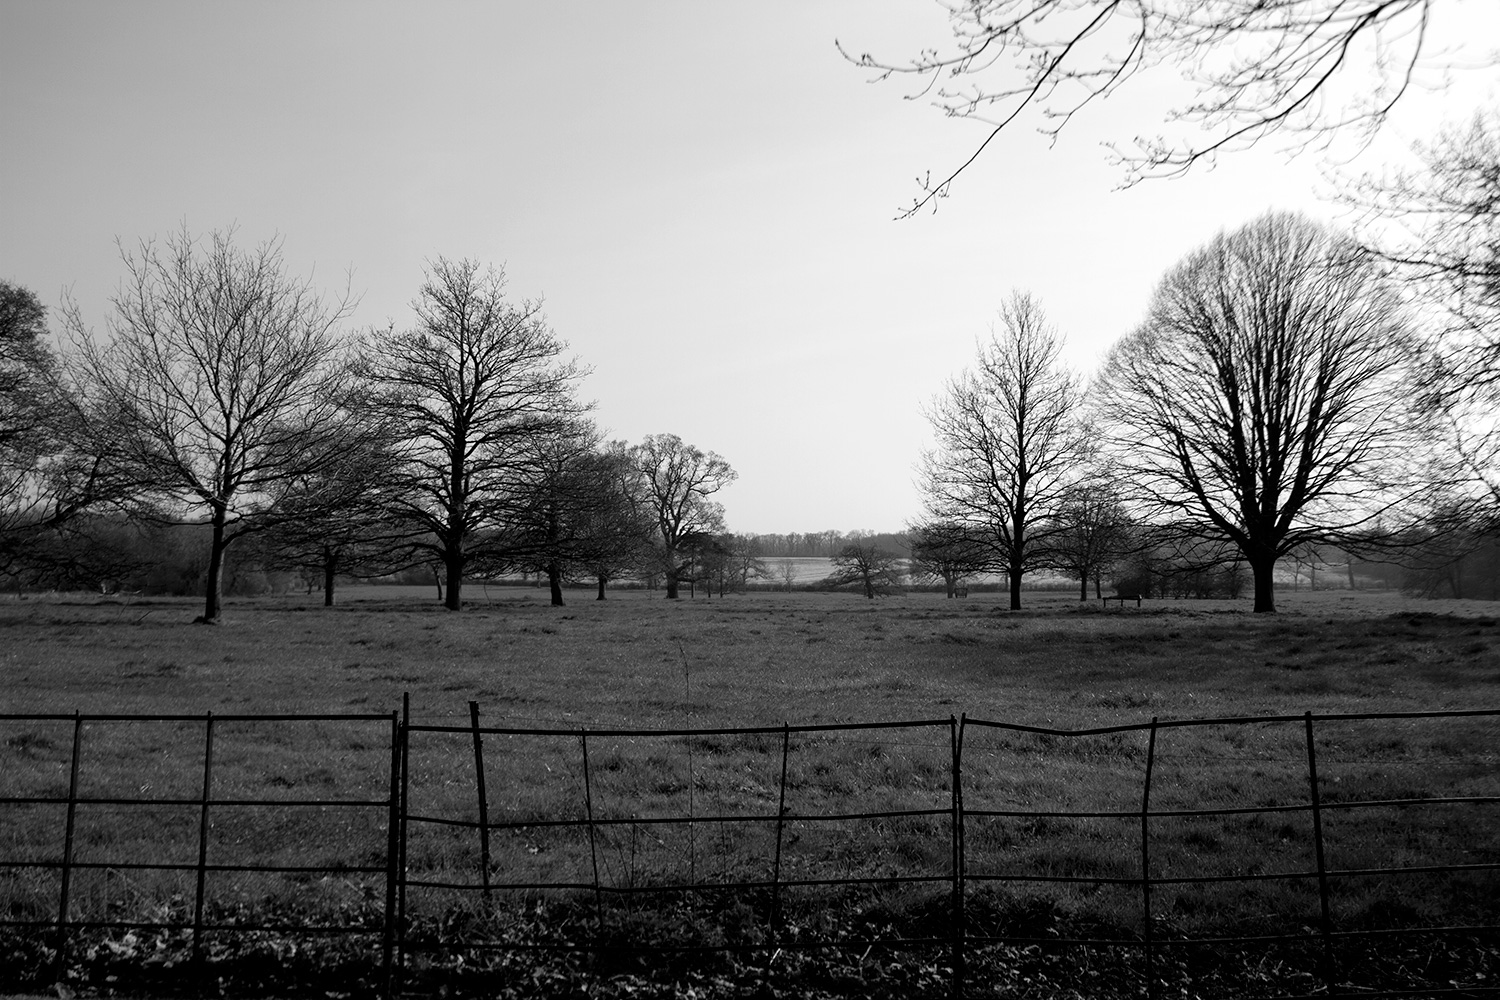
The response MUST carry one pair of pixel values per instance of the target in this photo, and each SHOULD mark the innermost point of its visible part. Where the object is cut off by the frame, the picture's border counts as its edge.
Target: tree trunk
(454, 564)
(672, 584)
(213, 588)
(330, 563)
(1263, 569)
(1083, 586)
(601, 590)
(1015, 588)
(554, 583)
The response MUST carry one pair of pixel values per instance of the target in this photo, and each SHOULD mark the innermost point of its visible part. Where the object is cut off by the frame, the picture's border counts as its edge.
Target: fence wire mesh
(423, 839)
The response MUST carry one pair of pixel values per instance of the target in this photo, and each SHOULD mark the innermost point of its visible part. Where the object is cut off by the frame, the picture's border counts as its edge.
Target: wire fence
(1305, 832)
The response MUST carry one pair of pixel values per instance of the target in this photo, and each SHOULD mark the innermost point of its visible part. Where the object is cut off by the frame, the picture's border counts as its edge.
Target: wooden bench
(1122, 598)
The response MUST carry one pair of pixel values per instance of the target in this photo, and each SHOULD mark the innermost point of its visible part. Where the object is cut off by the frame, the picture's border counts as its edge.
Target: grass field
(639, 661)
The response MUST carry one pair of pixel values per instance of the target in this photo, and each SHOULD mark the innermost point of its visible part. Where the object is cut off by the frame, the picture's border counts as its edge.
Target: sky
(703, 195)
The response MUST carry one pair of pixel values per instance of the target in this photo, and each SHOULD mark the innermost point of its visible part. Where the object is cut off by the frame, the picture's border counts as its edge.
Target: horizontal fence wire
(760, 812)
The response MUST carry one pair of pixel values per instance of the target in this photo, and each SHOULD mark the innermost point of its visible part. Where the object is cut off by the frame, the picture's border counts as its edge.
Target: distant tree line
(223, 396)
(1291, 391)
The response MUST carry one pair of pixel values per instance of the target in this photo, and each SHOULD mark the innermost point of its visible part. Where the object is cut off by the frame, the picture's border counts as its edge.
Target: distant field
(751, 658)
(637, 660)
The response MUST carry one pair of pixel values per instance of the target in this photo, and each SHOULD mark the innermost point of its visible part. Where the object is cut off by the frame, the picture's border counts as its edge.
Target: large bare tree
(468, 390)
(44, 478)
(1260, 403)
(679, 481)
(224, 383)
(1304, 70)
(1008, 442)
(1440, 224)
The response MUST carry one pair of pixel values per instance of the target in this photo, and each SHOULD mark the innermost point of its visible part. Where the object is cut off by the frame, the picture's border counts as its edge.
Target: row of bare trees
(224, 393)
(1278, 395)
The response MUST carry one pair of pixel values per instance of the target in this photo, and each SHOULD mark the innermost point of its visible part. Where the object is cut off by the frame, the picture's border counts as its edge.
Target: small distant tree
(338, 520)
(1095, 532)
(944, 550)
(580, 510)
(861, 561)
(1462, 564)
(618, 526)
(223, 382)
(786, 572)
(743, 562)
(679, 482)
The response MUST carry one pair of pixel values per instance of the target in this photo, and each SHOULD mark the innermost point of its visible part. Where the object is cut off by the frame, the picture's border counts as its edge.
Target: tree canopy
(1260, 402)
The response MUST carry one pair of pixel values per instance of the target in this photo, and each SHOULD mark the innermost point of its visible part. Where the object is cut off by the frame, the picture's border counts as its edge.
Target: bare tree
(1007, 443)
(27, 367)
(469, 390)
(582, 511)
(338, 519)
(29, 438)
(1306, 70)
(1440, 224)
(52, 462)
(1095, 530)
(744, 560)
(786, 572)
(618, 524)
(1260, 401)
(679, 482)
(223, 381)
(862, 561)
(944, 550)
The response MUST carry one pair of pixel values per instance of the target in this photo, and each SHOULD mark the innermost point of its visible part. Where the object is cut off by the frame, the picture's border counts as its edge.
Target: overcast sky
(701, 192)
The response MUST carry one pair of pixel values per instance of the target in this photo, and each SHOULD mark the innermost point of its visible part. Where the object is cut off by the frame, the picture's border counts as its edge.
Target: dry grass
(638, 661)
(754, 659)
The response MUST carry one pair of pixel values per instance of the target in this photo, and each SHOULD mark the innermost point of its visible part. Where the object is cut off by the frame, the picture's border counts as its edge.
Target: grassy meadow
(637, 660)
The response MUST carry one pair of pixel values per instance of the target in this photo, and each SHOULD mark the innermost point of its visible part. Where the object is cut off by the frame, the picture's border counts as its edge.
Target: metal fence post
(484, 807)
(67, 863)
(404, 832)
(956, 741)
(786, 744)
(203, 826)
(392, 851)
(1330, 969)
(588, 805)
(1146, 936)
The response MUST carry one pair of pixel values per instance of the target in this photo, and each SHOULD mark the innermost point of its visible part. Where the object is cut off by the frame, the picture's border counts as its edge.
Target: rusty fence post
(956, 743)
(60, 972)
(786, 744)
(392, 850)
(403, 832)
(1146, 935)
(1325, 926)
(588, 805)
(484, 806)
(203, 828)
